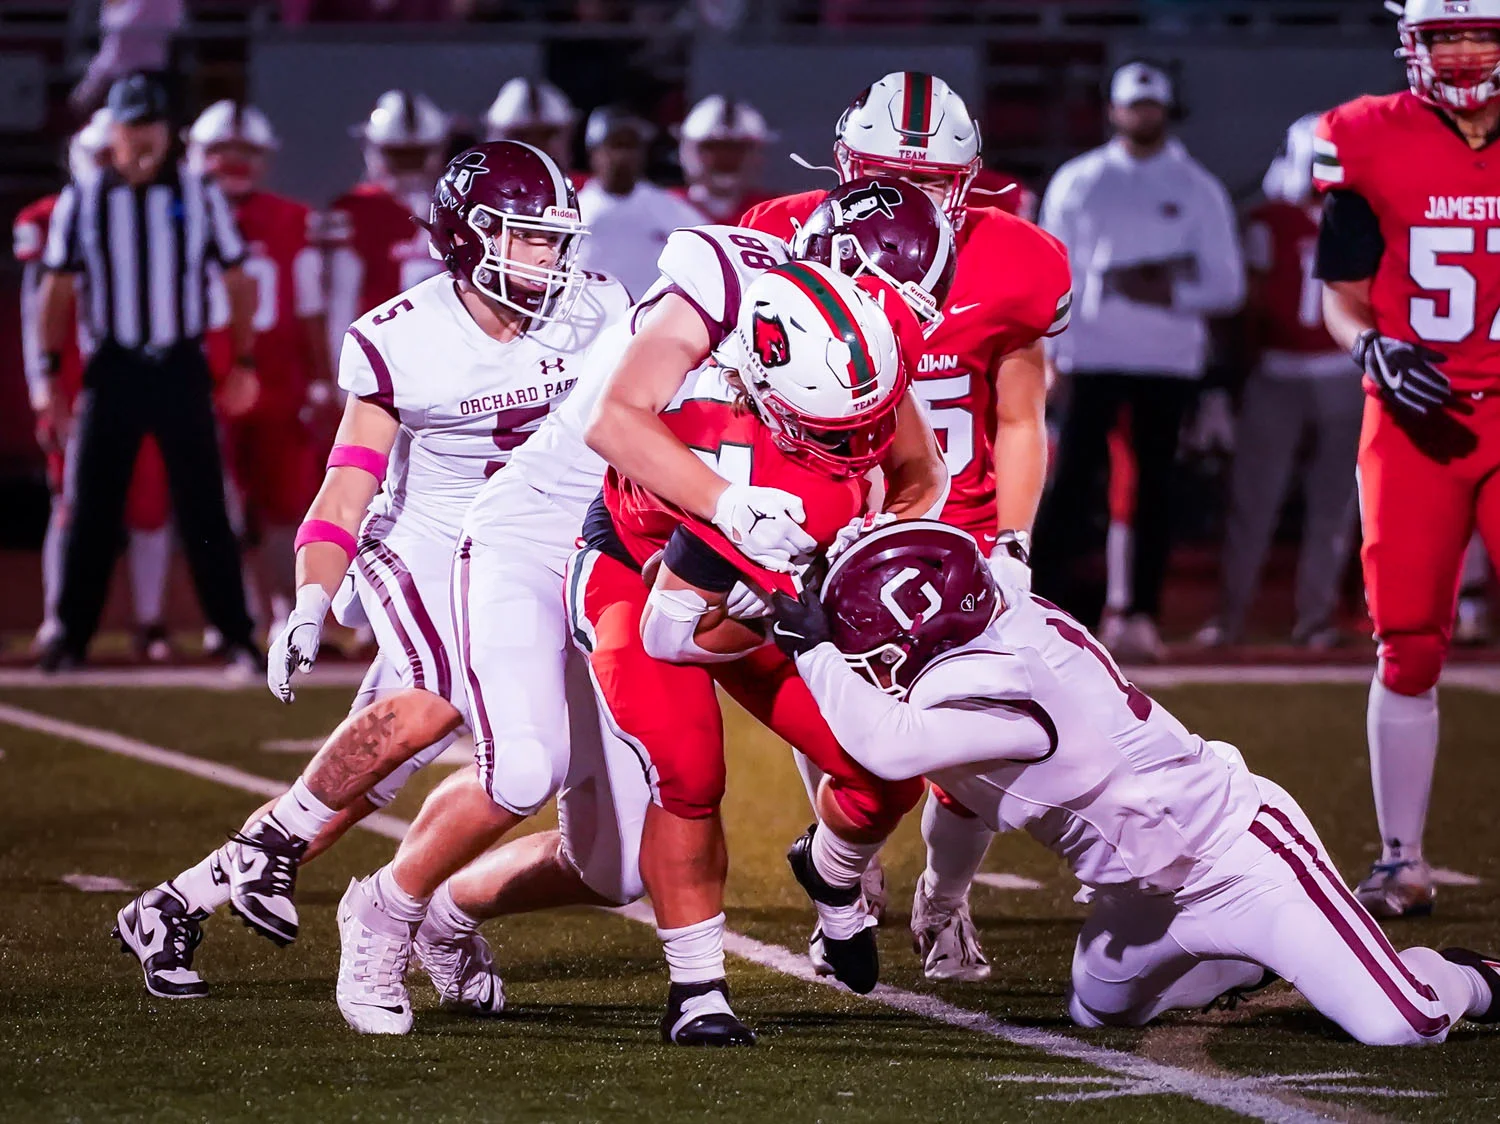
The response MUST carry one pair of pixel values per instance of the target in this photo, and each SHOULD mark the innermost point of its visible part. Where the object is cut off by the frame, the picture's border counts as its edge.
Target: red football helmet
(903, 595)
(886, 227)
(492, 195)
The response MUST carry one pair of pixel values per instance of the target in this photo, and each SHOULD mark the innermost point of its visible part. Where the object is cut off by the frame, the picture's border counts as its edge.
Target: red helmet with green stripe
(820, 363)
(914, 127)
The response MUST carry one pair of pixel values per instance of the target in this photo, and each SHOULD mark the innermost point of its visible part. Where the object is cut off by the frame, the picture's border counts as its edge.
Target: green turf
(80, 1040)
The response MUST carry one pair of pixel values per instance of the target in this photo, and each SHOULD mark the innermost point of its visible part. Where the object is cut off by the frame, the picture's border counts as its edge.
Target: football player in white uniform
(1206, 880)
(444, 384)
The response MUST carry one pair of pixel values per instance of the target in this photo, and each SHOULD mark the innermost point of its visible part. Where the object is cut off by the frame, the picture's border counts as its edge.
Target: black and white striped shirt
(142, 254)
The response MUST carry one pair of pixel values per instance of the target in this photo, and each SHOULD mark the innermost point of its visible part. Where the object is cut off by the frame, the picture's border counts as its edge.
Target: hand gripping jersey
(1281, 241)
(29, 237)
(288, 274)
(464, 400)
(375, 252)
(1012, 288)
(1438, 205)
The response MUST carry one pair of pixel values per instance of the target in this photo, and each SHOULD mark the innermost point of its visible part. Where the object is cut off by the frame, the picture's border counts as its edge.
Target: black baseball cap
(609, 119)
(137, 99)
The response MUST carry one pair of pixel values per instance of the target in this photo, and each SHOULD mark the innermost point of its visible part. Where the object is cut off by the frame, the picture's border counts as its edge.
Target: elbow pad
(668, 623)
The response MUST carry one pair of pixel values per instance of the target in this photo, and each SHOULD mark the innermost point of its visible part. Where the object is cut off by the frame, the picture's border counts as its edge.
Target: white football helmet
(403, 142)
(820, 363)
(534, 113)
(88, 151)
(719, 142)
(1289, 178)
(911, 124)
(230, 141)
(1463, 87)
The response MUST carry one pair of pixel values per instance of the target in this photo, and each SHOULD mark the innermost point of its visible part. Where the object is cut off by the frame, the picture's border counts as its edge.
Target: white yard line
(1246, 1096)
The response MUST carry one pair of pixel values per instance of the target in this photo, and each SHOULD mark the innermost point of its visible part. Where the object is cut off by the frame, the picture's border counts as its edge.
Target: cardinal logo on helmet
(876, 199)
(769, 339)
(463, 176)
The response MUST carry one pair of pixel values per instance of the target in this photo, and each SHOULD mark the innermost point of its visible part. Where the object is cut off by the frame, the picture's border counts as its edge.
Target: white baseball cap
(1140, 81)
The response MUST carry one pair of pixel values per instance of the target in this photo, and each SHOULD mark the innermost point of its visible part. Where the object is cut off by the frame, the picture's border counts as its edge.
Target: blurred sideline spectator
(629, 217)
(721, 143)
(1155, 252)
(134, 35)
(1299, 396)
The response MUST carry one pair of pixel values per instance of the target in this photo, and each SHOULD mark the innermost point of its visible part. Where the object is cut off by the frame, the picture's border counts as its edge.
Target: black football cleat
(855, 961)
(158, 930)
(1489, 968)
(261, 865)
(699, 1015)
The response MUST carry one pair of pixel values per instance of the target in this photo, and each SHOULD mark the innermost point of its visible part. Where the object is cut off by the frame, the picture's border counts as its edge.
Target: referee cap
(137, 99)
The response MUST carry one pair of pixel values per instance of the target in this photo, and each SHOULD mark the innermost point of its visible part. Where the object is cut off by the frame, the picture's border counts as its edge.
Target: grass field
(81, 1040)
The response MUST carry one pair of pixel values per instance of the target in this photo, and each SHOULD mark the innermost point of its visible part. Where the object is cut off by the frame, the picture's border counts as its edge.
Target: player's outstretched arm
(916, 474)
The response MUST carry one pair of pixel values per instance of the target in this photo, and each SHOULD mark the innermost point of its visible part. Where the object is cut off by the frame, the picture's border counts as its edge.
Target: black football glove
(1404, 372)
(798, 624)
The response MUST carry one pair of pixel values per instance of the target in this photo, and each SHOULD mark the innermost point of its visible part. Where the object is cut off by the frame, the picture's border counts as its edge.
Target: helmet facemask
(540, 292)
(881, 667)
(923, 304)
(1463, 87)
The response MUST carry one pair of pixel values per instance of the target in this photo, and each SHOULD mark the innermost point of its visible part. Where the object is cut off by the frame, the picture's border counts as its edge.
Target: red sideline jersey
(1438, 205)
(1286, 308)
(288, 273)
(741, 448)
(376, 251)
(29, 237)
(1012, 287)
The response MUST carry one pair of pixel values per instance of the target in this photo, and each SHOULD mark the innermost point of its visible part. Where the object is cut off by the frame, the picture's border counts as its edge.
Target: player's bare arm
(915, 472)
(1020, 436)
(55, 298)
(241, 387)
(1347, 310)
(685, 623)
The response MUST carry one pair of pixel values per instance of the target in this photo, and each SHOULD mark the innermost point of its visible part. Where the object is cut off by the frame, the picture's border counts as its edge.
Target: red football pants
(272, 462)
(670, 712)
(1418, 515)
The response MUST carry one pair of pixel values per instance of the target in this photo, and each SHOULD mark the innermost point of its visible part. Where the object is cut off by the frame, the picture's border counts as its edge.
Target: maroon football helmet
(885, 227)
(903, 595)
(488, 197)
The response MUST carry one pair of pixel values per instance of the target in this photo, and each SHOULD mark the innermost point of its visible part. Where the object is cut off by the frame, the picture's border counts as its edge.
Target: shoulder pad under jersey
(977, 670)
(711, 266)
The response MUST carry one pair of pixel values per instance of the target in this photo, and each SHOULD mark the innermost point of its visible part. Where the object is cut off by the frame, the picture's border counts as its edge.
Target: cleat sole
(276, 937)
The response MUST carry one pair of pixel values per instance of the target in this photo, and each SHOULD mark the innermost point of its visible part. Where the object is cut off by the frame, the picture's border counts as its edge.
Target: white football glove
(744, 604)
(765, 524)
(856, 527)
(297, 646)
(1012, 571)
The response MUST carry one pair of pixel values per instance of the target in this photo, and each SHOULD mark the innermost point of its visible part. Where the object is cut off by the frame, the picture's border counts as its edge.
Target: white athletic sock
(445, 918)
(150, 557)
(695, 953)
(395, 902)
(839, 862)
(1117, 566)
(1403, 733)
(956, 847)
(300, 813)
(203, 887)
(53, 546)
(1460, 989)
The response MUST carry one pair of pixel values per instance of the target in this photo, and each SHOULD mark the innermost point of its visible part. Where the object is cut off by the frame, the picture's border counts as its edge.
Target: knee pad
(1410, 662)
(521, 774)
(876, 805)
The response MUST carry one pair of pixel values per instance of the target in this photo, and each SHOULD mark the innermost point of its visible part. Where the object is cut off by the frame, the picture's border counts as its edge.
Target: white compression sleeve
(668, 625)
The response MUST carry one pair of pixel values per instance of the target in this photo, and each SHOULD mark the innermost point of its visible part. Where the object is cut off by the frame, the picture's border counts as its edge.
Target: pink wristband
(358, 456)
(321, 530)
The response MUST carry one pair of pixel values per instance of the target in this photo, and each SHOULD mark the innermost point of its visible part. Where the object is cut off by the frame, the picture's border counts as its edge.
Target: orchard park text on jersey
(525, 396)
(1468, 208)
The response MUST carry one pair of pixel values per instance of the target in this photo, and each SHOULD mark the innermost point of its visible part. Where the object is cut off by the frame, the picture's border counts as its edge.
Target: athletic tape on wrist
(359, 456)
(321, 530)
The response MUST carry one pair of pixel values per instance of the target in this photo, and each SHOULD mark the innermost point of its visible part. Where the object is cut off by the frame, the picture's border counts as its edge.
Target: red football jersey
(1438, 204)
(1011, 288)
(741, 449)
(29, 238)
(376, 251)
(288, 273)
(1281, 241)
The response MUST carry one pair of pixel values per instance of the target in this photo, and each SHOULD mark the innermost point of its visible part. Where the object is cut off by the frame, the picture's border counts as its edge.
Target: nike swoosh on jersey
(954, 310)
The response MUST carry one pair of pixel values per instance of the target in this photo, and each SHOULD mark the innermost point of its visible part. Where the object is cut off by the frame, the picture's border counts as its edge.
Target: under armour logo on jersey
(772, 346)
(551, 366)
(463, 175)
(876, 199)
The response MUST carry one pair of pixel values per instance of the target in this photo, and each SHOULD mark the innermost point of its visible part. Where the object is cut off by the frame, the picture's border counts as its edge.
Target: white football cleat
(373, 952)
(160, 932)
(461, 969)
(1394, 890)
(946, 940)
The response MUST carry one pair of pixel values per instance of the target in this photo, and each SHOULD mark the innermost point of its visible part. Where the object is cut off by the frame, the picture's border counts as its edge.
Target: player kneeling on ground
(1207, 880)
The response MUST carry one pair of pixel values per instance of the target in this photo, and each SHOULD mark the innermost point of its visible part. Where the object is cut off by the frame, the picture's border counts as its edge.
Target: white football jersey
(465, 401)
(1128, 794)
(708, 266)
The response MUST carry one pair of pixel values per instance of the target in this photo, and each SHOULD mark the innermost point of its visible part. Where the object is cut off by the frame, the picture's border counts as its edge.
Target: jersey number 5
(1462, 290)
(950, 419)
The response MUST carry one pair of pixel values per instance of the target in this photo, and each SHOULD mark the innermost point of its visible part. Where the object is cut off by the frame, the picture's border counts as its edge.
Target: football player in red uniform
(720, 145)
(1409, 252)
(375, 248)
(983, 380)
(147, 505)
(807, 395)
(270, 453)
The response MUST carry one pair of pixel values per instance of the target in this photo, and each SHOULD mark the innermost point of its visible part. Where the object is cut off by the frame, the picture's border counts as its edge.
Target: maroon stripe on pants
(378, 584)
(476, 696)
(1424, 1025)
(442, 673)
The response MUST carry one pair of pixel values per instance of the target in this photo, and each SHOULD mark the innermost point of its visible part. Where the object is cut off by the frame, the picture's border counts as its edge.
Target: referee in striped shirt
(131, 248)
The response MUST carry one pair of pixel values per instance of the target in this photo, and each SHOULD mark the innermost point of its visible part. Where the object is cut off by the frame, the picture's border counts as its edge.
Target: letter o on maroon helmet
(488, 197)
(887, 228)
(903, 595)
